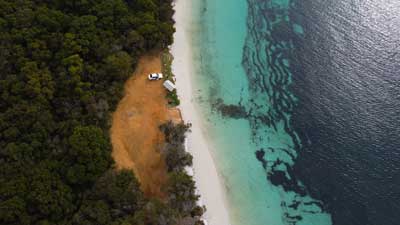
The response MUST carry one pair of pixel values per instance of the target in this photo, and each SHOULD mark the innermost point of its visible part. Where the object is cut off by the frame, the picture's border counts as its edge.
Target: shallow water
(223, 40)
(298, 108)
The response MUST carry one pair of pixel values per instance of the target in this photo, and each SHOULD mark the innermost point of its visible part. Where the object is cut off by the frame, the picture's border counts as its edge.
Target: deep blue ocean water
(301, 99)
(346, 76)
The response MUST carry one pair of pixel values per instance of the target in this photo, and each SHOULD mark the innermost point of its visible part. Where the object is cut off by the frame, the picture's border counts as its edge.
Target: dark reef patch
(230, 110)
(269, 49)
(260, 157)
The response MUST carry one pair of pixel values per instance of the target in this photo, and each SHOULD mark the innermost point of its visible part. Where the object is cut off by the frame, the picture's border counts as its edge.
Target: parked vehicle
(169, 85)
(155, 76)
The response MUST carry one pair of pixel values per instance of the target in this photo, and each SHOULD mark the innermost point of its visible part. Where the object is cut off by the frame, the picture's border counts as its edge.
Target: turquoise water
(225, 40)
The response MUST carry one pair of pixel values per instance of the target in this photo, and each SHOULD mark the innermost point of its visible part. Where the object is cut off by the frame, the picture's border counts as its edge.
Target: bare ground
(135, 133)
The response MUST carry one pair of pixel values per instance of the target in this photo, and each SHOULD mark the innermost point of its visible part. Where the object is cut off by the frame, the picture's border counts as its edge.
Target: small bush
(173, 99)
(167, 59)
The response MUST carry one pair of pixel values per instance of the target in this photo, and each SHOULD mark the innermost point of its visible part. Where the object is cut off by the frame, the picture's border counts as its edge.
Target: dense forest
(62, 68)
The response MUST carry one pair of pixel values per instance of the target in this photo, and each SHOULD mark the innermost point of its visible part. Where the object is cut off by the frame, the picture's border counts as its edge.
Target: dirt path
(135, 135)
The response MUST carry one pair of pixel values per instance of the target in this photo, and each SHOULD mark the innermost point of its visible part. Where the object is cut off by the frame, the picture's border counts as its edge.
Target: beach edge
(206, 175)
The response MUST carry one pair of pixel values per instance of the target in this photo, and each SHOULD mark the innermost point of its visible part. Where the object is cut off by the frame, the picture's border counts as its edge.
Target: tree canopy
(62, 69)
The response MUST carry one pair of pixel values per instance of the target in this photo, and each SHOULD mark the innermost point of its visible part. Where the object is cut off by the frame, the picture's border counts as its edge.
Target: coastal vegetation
(167, 59)
(181, 189)
(176, 156)
(63, 65)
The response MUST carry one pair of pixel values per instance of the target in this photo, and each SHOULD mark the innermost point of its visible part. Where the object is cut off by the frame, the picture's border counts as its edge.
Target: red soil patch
(135, 133)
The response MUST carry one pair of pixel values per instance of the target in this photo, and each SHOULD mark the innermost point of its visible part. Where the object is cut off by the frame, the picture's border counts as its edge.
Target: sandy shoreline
(205, 172)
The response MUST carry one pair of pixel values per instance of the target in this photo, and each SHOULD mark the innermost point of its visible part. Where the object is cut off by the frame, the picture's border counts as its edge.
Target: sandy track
(135, 135)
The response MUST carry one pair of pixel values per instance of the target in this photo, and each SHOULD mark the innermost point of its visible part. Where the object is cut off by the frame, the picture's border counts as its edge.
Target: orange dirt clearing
(135, 133)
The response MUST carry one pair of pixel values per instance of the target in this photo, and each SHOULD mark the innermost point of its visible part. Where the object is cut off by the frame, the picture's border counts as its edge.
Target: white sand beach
(205, 172)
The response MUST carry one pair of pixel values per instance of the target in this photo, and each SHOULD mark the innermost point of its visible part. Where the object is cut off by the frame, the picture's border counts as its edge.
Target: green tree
(96, 212)
(155, 212)
(48, 195)
(13, 211)
(90, 153)
(181, 192)
(119, 65)
(39, 82)
(116, 197)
